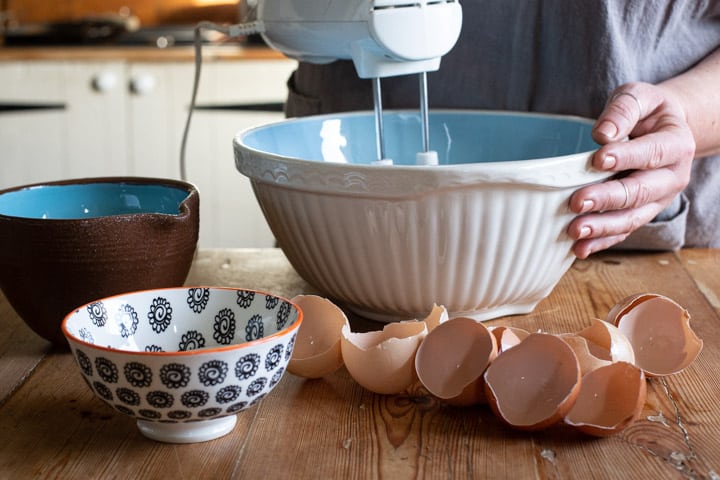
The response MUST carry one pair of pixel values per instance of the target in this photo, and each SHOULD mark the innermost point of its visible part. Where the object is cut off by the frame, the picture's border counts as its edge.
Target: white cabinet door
(157, 106)
(119, 118)
(232, 98)
(229, 93)
(55, 125)
(97, 121)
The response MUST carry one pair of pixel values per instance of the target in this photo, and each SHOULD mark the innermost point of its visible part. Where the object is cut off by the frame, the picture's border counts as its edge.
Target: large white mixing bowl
(483, 233)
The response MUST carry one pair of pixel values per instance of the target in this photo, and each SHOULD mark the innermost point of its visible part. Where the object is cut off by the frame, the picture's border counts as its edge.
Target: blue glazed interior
(91, 200)
(458, 137)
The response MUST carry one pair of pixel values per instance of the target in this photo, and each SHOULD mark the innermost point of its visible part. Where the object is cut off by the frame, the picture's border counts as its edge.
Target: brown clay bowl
(66, 243)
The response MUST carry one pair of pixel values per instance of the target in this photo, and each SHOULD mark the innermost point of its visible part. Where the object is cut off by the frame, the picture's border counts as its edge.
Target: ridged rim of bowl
(294, 326)
(183, 210)
(379, 179)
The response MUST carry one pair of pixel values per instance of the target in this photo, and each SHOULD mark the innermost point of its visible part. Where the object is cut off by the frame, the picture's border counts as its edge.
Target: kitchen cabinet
(53, 124)
(92, 117)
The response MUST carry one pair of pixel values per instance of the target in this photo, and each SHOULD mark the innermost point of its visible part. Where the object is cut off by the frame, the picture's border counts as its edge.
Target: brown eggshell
(598, 345)
(508, 337)
(383, 361)
(451, 360)
(607, 342)
(659, 331)
(437, 315)
(317, 349)
(587, 361)
(611, 398)
(534, 384)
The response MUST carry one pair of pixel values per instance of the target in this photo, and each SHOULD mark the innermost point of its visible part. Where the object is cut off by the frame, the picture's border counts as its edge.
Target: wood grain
(333, 428)
(20, 349)
(210, 53)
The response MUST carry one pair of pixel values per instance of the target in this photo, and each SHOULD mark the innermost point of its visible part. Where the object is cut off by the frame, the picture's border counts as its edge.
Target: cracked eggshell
(587, 361)
(608, 342)
(317, 350)
(658, 329)
(507, 337)
(437, 315)
(452, 359)
(383, 361)
(611, 398)
(598, 345)
(534, 384)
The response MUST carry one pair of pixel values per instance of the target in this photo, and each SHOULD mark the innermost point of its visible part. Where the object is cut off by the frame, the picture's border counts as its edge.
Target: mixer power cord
(231, 31)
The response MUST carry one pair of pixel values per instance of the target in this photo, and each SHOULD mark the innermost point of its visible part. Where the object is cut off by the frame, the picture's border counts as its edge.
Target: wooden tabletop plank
(333, 428)
(252, 268)
(21, 349)
(54, 427)
(704, 265)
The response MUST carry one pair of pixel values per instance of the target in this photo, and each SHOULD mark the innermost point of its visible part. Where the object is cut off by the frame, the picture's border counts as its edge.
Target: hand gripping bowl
(483, 233)
(65, 243)
(183, 361)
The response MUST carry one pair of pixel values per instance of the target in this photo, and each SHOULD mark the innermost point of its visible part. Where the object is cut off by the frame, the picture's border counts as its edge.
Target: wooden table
(52, 426)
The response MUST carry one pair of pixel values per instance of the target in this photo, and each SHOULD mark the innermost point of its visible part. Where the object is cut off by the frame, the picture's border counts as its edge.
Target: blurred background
(24, 15)
(101, 88)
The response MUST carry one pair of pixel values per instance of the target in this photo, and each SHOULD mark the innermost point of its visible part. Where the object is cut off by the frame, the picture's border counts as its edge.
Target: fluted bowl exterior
(482, 233)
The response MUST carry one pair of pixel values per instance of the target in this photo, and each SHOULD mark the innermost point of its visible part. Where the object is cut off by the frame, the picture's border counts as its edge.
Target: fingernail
(608, 162)
(608, 129)
(587, 205)
(584, 232)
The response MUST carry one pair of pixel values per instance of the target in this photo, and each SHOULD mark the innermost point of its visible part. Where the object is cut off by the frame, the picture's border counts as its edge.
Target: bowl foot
(188, 432)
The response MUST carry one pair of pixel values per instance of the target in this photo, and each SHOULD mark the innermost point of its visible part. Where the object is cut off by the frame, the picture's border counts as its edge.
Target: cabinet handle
(244, 107)
(29, 107)
(104, 81)
(142, 84)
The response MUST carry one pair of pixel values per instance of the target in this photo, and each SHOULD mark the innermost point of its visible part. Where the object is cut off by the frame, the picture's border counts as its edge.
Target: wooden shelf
(139, 54)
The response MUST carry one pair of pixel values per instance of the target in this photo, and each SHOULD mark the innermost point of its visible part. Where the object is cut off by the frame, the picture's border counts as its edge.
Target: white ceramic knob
(105, 81)
(142, 83)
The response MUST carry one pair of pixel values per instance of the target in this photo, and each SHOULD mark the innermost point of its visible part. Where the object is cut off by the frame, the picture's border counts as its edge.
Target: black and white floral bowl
(183, 361)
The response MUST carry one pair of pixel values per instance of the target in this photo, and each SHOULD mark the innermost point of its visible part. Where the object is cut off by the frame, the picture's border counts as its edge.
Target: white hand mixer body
(383, 38)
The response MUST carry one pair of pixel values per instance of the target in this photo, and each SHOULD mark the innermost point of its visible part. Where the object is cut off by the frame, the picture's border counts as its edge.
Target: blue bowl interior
(180, 319)
(458, 137)
(89, 200)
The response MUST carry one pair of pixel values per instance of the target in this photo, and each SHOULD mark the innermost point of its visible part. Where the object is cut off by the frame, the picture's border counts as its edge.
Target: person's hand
(655, 164)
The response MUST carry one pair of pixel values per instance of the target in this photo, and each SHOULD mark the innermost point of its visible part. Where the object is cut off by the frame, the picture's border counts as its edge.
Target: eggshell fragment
(607, 342)
(534, 384)
(317, 350)
(580, 345)
(508, 337)
(437, 315)
(452, 358)
(598, 345)
(659, 331)
(383, 361)
(611, 398)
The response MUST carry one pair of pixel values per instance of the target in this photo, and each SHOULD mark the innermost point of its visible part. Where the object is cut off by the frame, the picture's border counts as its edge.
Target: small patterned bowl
(183, 361)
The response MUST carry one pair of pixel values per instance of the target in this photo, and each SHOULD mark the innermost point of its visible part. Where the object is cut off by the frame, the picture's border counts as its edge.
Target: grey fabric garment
(554, 56)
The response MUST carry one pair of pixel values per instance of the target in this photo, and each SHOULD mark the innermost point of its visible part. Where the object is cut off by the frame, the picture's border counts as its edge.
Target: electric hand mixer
(383, 38)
